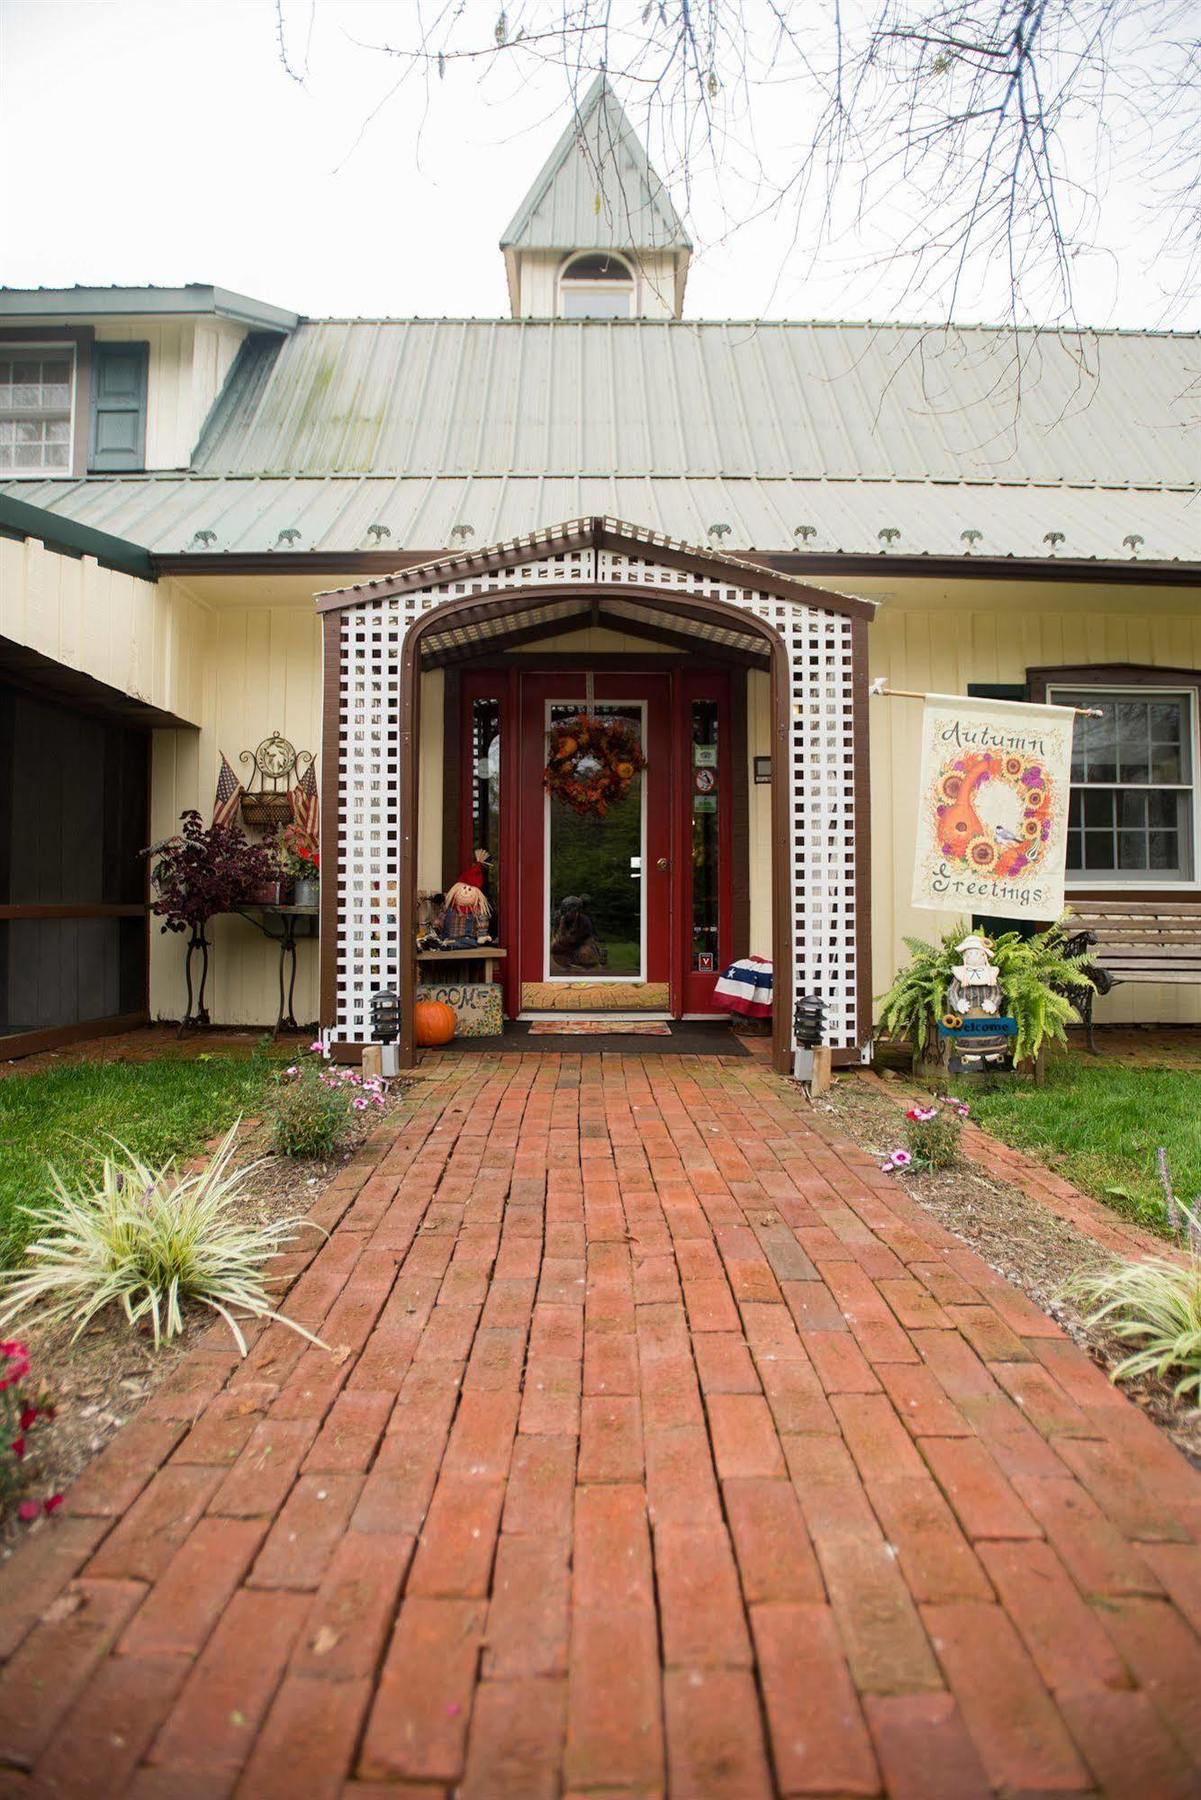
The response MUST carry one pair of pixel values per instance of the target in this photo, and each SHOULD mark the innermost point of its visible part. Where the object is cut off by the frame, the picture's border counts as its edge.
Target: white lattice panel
(820, 773)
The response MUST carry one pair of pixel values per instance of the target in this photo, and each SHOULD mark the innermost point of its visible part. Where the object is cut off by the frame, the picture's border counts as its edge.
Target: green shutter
(118, 438)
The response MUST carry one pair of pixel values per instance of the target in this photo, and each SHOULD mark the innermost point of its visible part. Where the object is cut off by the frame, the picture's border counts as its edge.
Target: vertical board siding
(262, 669)
(940, 652)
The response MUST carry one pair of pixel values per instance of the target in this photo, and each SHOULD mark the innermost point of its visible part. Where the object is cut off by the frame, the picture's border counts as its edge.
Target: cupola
(597, 235)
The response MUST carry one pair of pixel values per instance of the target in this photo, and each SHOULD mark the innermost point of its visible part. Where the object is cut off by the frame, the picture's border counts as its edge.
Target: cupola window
(596, 287)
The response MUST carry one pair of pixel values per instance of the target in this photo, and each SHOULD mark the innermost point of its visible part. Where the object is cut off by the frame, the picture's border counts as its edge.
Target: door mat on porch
(688, 1037)
(599, 1028)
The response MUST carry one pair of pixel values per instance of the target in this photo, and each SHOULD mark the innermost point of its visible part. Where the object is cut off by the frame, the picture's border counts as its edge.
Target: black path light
(811, 1060)
(808, 1020)
(385, 1016)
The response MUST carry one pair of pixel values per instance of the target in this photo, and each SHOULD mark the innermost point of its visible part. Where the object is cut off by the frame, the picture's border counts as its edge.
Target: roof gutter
(804, 567)
(20, 520)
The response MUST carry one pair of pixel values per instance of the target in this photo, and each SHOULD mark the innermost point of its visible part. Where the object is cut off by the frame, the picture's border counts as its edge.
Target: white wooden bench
(1135, 940)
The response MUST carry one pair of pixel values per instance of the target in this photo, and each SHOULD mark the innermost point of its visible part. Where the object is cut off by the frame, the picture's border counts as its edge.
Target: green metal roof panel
(710, 399)
(99, 302)
(247, 515)
(597, 189)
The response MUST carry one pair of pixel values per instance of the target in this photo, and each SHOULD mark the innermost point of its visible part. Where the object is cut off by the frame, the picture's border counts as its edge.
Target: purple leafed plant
(205, 870)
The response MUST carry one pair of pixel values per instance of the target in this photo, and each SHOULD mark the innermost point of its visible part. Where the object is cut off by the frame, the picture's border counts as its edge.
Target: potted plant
(300, 860)
(202, 871)
(1036, 976)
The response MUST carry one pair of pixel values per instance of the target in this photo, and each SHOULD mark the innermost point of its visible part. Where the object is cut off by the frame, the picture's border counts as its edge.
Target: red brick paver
(667, 1448)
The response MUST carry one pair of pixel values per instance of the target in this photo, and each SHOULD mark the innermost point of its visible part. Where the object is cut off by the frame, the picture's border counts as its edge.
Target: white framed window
(37, 404)
(1133, 810)
(597, 286)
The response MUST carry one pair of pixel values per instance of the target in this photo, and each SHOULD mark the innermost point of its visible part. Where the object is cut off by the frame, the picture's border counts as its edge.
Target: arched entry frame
(820, 828)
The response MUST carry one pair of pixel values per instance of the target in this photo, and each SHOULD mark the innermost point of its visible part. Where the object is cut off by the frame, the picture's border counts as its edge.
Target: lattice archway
(820, 823)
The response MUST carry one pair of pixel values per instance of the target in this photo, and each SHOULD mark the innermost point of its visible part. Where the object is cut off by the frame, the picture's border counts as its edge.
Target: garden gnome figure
(975, 985)
(467, 916)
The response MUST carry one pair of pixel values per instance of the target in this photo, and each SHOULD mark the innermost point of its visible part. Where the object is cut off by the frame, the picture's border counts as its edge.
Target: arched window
(596, 287)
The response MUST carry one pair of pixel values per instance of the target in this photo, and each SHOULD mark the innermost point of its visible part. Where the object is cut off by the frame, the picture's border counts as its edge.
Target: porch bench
(1135, 940)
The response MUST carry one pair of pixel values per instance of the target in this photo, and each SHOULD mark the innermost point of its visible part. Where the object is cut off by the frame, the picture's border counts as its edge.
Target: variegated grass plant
(1153, 1303)
(148, 1240)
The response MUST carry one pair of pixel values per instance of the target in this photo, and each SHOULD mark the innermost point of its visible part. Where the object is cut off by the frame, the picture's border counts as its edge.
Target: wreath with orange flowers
(591, 762)
(962, 836)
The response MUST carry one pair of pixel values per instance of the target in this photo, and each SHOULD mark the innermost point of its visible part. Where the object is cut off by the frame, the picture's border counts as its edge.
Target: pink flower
(922, 1114)
(28, 1509)
(963, 1109)
(294, 1070)
(901, 1159)
(359, 1104)
(317, 1047)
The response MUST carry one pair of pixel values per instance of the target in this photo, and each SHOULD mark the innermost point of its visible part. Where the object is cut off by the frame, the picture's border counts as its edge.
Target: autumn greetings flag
(993, 807)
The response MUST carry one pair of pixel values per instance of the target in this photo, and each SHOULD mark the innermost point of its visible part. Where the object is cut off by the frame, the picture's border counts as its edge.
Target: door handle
(664, 862)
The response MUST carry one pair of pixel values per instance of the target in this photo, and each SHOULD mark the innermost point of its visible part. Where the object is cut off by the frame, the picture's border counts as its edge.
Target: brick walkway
(668, 1449)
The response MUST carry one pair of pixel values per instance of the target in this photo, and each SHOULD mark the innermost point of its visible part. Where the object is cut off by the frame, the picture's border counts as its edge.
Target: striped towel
(746, 987)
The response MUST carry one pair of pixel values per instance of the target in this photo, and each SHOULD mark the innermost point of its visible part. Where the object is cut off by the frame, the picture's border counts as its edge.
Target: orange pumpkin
(433, 1023)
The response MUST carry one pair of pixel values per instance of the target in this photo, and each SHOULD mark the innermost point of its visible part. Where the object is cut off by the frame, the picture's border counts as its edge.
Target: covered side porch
(740, 829)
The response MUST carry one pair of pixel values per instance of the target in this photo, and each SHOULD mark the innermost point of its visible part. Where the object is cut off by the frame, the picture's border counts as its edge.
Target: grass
(69, 1117)
(1099, 1125)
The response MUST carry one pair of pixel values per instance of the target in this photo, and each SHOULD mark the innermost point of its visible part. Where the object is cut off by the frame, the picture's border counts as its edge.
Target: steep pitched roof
(597, 190)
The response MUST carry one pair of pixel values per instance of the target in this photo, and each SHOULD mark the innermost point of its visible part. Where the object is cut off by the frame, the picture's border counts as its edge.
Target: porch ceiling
(497, 630)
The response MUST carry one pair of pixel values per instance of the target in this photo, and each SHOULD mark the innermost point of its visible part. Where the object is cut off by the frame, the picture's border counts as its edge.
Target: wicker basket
(265, 810)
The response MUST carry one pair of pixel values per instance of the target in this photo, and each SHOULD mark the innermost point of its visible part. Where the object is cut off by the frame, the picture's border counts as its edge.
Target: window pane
(1075, 859)
(705, 899)
(595, 303)
(594, 928)
(1166, 763)
(1132, 810)
(1098, 807)
(1164, 809)
(1165, 853)
(485, 795)
(1098, 850)
(1132, 850)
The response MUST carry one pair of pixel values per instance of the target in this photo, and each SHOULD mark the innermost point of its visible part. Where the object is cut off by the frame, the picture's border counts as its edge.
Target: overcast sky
(162, 141)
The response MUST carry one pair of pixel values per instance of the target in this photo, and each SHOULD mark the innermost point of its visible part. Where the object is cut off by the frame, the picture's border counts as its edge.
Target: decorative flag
(305, 805)
(993, 807)
(746, 988)
(229, 796)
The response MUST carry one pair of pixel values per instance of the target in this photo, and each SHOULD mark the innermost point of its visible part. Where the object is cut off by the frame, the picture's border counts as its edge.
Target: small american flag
(229, 795)
(306, 808)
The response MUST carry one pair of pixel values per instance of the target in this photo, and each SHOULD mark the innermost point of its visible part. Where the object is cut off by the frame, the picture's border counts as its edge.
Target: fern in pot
(1037, 976)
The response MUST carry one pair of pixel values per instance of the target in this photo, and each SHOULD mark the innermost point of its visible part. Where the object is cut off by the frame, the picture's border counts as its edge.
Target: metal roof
(633, 399)
(97, 302)
(597, 190)
(222, 515)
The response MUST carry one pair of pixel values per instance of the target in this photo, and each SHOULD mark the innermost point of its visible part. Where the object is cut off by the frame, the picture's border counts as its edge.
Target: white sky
(161, 141)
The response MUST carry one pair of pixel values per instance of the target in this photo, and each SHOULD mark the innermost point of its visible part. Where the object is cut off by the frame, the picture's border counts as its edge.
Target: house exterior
(412, 547)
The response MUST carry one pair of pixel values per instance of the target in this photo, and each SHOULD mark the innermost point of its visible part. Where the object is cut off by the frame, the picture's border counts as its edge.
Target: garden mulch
(666, 1447)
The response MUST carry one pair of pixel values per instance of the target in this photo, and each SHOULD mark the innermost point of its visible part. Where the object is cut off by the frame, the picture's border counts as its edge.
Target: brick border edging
(1091, 1217)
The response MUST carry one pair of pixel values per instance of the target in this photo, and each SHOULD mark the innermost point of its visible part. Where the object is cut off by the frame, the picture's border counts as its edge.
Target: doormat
(599, 1028)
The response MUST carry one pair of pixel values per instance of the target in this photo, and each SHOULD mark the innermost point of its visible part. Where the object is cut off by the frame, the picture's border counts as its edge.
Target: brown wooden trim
(860, 726)
(639, 628)
(331, 818)
(740, 822)
(410, 742)
(76, 909)
(82, 337)
(455, 725)
(1108, 675)
(1127, 893)
(783, 950)
(32, 1043)
(596, 533)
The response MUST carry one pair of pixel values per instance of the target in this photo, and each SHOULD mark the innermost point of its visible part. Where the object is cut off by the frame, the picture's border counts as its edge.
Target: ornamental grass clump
(148, 1240)
(314, 1106)
(1154, 1306)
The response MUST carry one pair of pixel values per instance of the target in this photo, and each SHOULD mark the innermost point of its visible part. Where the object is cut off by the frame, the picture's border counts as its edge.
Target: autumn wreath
(591, 762)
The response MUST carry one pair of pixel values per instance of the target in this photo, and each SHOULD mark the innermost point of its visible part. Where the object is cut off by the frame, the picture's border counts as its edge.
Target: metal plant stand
(197, 1012)
(294, 922)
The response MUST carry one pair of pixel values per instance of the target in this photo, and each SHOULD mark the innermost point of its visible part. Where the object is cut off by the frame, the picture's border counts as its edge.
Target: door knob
(664, 862)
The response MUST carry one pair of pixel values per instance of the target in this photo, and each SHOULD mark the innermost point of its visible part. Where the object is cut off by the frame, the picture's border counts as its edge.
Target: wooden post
(373, 1060)
(821, 1078)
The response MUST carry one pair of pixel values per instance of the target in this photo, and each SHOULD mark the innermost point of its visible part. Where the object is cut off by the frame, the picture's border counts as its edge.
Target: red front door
(595, 894)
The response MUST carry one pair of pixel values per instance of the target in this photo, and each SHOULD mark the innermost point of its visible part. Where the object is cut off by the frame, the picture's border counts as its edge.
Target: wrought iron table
(295, 921)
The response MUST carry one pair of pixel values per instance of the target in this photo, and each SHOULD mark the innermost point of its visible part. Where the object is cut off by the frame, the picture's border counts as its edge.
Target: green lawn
(68, 1116)
(1099, 1124)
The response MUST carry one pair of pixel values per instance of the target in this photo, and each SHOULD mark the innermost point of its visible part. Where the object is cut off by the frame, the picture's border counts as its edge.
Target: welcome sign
(993, 807)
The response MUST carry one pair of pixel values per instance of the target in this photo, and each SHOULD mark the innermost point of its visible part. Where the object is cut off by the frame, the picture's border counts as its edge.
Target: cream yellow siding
(144, 638)
(261, 672)
(943, 646)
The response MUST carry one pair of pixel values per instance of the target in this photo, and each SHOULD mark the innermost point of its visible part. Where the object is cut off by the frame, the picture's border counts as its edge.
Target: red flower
(52, 1504)
(28, 1415)
(18, 1448)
